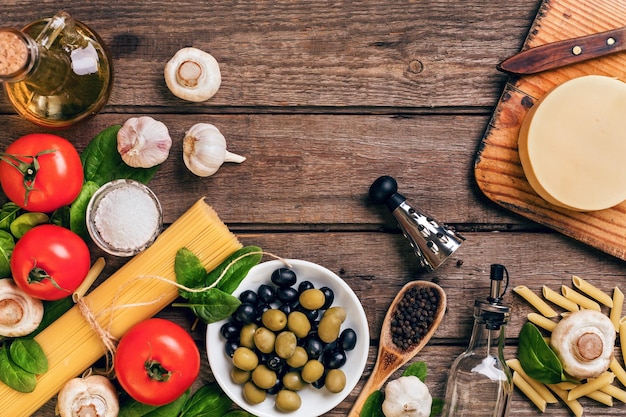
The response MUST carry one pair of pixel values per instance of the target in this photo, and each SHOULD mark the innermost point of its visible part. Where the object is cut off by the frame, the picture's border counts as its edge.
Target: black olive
(347, 339)
(319, 384)
(249, 296)
(312, 315)
(305, 285)
(286, 308)
(284, 277)
(245, 313)
(275, 363)
(230, 347)
(276, 388)
(334, 359)
(329, 297)
(313, 346)
(287, 294)
(262, 309)
(266, 293)
(230, 330)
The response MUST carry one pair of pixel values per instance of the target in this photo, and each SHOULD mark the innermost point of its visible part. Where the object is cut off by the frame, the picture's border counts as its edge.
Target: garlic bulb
(20, 314)
(193, 75)
(584, 342)
(143, 142)
(204, 150)
(93, 396)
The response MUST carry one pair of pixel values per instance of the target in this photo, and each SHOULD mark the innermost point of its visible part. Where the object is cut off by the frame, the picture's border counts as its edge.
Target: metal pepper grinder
(431, 240)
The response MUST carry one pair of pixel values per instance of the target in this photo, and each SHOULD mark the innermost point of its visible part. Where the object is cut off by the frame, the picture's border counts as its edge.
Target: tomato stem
(27, 169)
(38, 275)
(156, 372)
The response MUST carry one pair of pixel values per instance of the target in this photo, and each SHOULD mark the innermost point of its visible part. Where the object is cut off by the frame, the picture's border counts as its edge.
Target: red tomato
(156, 361)
(41, 172)
(49, 262)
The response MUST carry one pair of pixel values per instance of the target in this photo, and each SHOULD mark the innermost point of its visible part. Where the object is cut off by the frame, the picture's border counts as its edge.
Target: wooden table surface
(322, 98)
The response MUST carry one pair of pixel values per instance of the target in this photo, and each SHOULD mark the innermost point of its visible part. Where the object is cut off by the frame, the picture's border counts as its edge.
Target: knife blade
(570, 51)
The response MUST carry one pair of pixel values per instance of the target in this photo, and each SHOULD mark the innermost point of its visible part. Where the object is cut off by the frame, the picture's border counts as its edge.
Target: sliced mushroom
(584, 342)
(91, 396)
(20, 314)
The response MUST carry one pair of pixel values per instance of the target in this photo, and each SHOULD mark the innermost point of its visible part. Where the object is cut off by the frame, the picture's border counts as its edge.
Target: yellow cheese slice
(572, 144)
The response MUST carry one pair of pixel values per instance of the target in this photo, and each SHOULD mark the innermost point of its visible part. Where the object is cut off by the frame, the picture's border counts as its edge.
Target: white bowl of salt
(124, 217)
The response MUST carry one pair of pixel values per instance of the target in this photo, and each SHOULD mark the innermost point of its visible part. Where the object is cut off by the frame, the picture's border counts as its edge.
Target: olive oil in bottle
(56, 72)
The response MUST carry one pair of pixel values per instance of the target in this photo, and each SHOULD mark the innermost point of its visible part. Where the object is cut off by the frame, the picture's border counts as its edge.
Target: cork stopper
(13, 52)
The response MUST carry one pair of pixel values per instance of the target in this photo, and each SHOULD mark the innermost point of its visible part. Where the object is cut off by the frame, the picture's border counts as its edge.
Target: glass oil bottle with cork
(479, 383)
(56, 71)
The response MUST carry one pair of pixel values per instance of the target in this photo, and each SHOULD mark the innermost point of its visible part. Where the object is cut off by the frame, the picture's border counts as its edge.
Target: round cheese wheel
(572, 144)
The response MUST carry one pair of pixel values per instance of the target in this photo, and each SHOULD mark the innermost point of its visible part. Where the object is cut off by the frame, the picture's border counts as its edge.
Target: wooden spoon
(391, 357)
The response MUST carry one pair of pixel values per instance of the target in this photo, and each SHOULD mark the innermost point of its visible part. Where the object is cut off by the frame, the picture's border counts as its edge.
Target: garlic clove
(143, 142)
(20, 314)
(193, 75)
(204, 150)
(92, 396)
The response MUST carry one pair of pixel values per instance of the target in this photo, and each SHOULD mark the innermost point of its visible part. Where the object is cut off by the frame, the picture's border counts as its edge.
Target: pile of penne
(584, 296)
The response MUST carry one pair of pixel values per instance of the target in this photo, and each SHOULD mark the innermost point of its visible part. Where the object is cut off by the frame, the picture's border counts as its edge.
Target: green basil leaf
(103, 163)
(26, 221)
(418, 369)
(29, 355)
(437, 407)
(213, 305)
(189, 271)
(238, 413)
(61, 217)
(15, 376)
(373, 406)
(237, 271)
(208, 401)
(537, 358)
(8, 213)
(78, 209)
(52, 310)
(7, 243)
(132, 408)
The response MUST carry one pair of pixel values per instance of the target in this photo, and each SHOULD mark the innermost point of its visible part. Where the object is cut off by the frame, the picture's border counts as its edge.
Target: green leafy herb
(373, 406)
(213, 305)
(132, 408)
(8, 213)
(238, 413)
(102, 161)
(7, 243)
(189, 271)
(29, 355)
(78, 209)
(248, 257)
(418, 369)
(537, 359)
(208, 401)
(14, 375)
(26, 221)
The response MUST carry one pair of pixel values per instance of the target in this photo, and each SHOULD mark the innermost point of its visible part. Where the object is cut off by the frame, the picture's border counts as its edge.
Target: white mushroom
(193, 75)
(20, 314)
(584, 342)
(91, 396)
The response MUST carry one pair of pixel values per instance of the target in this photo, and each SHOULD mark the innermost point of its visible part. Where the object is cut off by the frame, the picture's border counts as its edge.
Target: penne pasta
(539, 387)
(529, 391)
(618, 304)
(558, 299)
(618, 370)
(535, 301)
(590, 386)
(592, 291)
(580, 299)
(541, 321)
(601, 397)
(615, 392)
(622, 336)
(573, 405)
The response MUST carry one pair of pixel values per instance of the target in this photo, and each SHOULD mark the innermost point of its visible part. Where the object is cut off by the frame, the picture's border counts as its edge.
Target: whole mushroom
(93, 396)
(584, 342)
(20, 314)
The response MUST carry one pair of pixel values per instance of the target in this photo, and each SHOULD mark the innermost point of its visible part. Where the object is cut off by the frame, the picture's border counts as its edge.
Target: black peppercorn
(413, 317)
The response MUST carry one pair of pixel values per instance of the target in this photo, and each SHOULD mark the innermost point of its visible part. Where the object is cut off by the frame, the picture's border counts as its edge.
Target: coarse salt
(127, 218)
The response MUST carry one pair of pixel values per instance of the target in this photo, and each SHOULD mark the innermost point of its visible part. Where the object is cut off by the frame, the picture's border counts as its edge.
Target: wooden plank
(498, 170)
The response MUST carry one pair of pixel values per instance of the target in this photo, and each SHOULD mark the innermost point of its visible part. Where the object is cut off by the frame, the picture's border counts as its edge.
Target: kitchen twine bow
(104, 332)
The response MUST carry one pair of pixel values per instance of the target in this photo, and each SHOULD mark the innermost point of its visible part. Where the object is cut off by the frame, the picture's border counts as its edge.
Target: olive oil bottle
(56, 72)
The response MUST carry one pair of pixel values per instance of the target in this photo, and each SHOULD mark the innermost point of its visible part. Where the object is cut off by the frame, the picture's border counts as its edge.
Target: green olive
(312, 371)
(264, 339)
(288, 401)
(299, 358)
(274, 319)
(298, 323)
(239, 376)
(253, 394)
(312, 299)
(246, 335)
(338, 312)
(286, 343)
(329, 328)
(293, 381)
(263, 377)
(335, 380)
(245, 359)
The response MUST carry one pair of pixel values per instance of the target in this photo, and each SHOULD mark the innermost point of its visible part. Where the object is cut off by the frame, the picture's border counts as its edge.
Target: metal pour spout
(431, 240)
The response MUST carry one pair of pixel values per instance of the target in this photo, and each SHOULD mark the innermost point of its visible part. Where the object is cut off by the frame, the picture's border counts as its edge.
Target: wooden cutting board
(497, 167)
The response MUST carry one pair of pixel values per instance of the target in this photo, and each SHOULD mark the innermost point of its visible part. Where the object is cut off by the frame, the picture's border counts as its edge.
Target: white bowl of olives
(297, 345)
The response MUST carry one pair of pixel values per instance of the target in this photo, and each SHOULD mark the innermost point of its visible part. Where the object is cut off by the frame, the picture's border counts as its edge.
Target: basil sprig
(537, 358)
(20, 362)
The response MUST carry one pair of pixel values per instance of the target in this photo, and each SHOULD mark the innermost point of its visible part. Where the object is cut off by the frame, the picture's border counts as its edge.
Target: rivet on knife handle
(558, 54)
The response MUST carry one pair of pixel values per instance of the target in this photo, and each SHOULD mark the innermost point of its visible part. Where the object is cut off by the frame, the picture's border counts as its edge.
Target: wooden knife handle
(561, 53)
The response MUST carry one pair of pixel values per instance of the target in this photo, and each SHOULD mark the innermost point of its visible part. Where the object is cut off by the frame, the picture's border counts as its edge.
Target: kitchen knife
(561, 53)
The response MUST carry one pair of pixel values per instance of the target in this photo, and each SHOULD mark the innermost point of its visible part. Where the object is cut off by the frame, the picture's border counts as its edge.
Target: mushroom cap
(193, 75)
(584, 342)
(20, 314)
